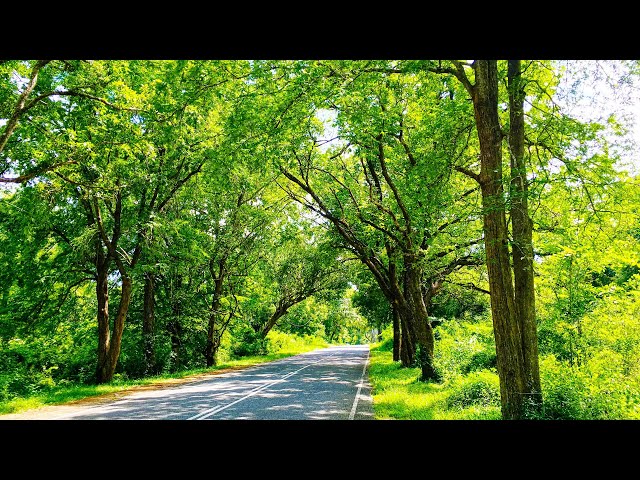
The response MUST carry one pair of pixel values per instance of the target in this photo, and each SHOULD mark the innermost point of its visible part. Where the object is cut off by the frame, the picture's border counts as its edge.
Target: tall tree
(522, 237)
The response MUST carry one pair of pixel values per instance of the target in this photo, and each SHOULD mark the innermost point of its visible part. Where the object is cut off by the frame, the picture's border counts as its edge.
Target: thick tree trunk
(522, 249)
(397, 338)
(118, 324)
(510, 359)
(104, 332)
(148, 324)
(212, 344)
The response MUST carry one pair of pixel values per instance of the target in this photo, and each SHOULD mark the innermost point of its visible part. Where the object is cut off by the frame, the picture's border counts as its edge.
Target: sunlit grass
(68, 393)
(399, 395)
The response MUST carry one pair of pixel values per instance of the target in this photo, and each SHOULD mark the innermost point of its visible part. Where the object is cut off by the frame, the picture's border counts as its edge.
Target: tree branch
(19, 109)
(74, 93)
(469, 285)
(468, 173)
(38, 171)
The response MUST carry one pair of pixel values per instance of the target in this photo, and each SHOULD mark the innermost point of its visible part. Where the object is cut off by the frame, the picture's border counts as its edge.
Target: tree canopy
(158, 215)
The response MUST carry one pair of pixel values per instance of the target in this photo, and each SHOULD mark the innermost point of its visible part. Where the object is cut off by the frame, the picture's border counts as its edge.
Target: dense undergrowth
(597, 379)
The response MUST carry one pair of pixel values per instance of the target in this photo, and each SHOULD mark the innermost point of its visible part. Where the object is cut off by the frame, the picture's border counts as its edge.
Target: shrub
(23, 382)
(480, 388)
(247, 342)
(282, 342)
(562, 390)
(482, 360)
(386, 345)
(464, 347)
(590, 392)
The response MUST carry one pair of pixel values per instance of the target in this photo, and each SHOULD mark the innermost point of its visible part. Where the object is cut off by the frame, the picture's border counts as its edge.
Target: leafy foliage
(260, 206)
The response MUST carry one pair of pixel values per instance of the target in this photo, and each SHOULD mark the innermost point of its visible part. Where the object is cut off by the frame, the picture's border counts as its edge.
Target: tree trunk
(522, 249)
(510, 359)
(212, 346)
(175, 333)
(397, 335)
(148, 323)
(118, 324)
(213, 337)
(332, 335)
(407, 344)
(104, 333)
(107, 367)
(397, 339)
(416, 313)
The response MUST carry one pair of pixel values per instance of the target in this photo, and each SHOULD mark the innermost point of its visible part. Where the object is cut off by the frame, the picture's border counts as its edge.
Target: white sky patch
(59, 98)
(594, 90)
(20, 81)
(328, 119)
(554, 165)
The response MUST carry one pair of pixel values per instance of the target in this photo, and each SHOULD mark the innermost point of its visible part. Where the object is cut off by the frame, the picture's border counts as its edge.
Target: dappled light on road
(324, 384)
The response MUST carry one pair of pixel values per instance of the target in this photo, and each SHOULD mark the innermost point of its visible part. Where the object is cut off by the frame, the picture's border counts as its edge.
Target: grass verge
(399, 395)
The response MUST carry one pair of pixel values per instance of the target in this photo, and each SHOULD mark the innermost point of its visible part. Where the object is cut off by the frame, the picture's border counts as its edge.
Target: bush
(590, 392)
(480, 388)
(482, 360)
(247, 342)
(385, 345)
(464, 347)
(562, 390)
(23, 382)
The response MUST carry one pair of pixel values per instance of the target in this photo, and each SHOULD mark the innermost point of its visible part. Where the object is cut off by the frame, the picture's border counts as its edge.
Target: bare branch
(110, 246)
(456, 247)
(387, 177)
(400, 138)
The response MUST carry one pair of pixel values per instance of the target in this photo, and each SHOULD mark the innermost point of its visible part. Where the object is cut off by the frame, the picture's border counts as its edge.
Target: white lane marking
(92, 409)
(360, 385)
(214, 410)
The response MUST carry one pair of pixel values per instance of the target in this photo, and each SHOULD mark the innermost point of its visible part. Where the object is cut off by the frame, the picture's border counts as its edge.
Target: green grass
(63, 394)
(399, 395)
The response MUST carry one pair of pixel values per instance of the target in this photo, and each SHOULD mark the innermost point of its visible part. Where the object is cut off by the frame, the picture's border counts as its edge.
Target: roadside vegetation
(603, 385)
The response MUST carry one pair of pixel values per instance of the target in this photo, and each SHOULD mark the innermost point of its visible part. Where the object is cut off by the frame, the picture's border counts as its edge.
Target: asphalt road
(326, 384)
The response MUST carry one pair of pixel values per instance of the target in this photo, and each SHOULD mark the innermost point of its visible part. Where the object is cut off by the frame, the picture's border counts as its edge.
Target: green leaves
(186, 161)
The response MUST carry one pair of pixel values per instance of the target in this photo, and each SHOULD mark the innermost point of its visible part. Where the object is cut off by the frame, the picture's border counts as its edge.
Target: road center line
(214, 410)
(360, 385)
